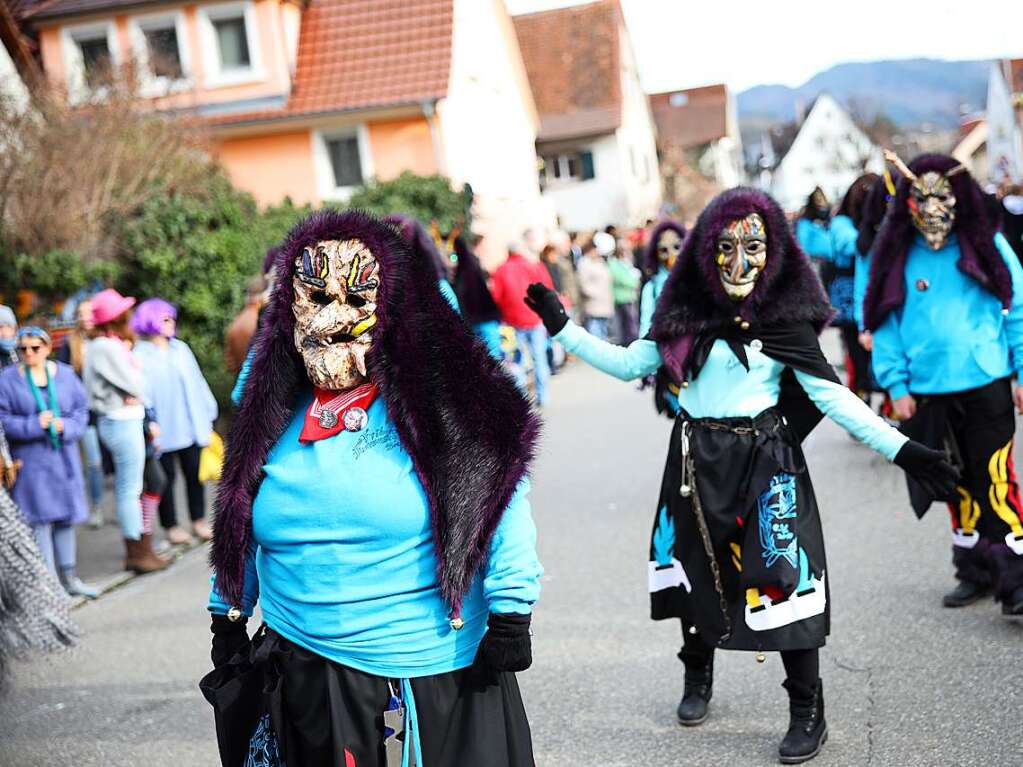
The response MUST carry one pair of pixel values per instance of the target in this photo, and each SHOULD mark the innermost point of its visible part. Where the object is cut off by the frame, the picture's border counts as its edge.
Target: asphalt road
(907, 683)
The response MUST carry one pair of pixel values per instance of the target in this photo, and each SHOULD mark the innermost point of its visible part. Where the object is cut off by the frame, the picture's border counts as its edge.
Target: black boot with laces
(808, 731)
(699, 682)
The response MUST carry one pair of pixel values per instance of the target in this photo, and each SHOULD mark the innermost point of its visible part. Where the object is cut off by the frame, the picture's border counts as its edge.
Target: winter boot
(141, 558)
(74, 586)
(808, 731)
(1013, 607)
(699, 683)
(966, 593)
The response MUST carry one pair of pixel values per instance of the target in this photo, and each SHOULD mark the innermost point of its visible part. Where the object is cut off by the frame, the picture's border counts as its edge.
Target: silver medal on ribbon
(327, 419)
(355, 419)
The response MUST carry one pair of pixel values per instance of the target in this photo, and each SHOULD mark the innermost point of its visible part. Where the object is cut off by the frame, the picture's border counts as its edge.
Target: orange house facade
(308, 100)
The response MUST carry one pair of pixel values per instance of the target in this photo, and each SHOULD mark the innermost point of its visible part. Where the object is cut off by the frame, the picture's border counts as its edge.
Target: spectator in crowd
(243, 327)
(625, 280)
(1012, 217)
(116, 389)
(183, 406)
(8, 336)
(595, 284)
(566, 271)
(508, 285)
(73, 353)
(44, 413)
(269, 276)
(575, 249)
(549, 259)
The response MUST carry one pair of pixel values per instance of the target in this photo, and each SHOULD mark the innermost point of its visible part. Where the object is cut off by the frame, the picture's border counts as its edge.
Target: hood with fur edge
(469, 431)
(694, 300)
(978, 255)
(651, 263)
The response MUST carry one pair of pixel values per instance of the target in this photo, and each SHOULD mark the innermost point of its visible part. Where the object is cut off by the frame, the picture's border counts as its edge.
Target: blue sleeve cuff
(899, 390)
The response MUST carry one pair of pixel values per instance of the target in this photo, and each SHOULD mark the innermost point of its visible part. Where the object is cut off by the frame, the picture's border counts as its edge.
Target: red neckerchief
(339, 404)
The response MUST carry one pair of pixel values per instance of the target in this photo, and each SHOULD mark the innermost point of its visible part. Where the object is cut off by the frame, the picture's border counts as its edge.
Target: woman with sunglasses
(44, 412)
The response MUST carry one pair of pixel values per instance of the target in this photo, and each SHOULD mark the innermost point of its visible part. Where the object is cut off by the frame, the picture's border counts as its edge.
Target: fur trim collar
(469, 431)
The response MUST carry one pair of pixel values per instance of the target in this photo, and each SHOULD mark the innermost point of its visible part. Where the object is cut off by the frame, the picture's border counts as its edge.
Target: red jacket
(509, 285)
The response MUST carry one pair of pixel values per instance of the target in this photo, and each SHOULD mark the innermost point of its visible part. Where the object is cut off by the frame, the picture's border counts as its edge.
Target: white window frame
(74, 65)
(561, 161)
(325, 170)
(216, 75)
(153, 84)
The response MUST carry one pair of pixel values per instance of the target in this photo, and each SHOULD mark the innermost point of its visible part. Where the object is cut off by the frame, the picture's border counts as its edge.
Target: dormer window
(158, 40)
(230, 43)
(95, 53)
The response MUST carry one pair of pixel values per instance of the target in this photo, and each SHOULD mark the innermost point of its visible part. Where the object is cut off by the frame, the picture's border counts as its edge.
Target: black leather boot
(699, 683)
(807, 729)
(966, 593)
(1013, 607)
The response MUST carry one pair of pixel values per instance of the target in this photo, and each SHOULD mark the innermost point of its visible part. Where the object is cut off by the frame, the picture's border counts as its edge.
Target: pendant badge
(756, 344)
(922, 285)
(355, 419)
(327, 419)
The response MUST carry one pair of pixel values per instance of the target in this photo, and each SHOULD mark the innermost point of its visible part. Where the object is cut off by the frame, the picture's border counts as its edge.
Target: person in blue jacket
(842, 254)
(945, 306)
(737, 551)
(374, 503)
(812, 227)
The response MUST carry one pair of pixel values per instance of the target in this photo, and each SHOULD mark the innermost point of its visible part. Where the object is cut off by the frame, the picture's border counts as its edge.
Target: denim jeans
(56, 541)
(127, 444)
(597, 327)
(535, 339)
(93, 466)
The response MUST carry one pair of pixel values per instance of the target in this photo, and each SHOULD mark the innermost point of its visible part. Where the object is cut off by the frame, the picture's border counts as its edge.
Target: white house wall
(488, 127)
(637, 139)
(826, 153)
(597, 202)
(11, 85)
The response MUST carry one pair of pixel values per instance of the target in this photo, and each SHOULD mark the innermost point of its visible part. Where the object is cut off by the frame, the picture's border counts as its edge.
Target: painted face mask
(668, 248)
(742, 255)
(336, 285)
(932, 205)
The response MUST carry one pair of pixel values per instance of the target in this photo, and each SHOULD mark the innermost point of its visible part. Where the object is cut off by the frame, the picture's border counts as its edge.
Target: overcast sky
(685, 43)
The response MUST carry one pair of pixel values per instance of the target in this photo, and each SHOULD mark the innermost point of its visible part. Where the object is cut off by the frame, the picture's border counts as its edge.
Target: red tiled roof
(359, 54)
(46, 9)
(572, 57)
(1016, 75)
(698, 116)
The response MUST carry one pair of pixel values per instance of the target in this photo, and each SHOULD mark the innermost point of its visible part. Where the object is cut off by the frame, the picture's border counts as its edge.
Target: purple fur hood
(469, 431)
(694, 301)
(978, 255)
(651, 263)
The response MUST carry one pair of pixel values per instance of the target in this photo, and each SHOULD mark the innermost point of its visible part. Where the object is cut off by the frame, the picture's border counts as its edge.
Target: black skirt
(280, 704)
(764, 585)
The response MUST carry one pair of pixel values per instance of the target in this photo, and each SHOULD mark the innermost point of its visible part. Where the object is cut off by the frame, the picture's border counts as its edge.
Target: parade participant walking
(737, 551)
(842, 254)
(8, 336)
(507, 287)
(662, 250)
(374, 498)
(44, 413)
(183, 406)
(945, 305)
(812, 228)
(116, 389)
(34, 609)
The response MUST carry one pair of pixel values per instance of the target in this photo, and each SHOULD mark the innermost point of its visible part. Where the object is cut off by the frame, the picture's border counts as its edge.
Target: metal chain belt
(689, 489)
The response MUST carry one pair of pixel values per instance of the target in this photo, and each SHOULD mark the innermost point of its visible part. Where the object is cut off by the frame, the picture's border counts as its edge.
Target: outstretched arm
(628, 363)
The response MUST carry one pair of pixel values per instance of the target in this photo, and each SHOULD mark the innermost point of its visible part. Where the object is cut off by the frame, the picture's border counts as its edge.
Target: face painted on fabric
(668, 247)
(932, 205)
(336, 285)
(742, 255)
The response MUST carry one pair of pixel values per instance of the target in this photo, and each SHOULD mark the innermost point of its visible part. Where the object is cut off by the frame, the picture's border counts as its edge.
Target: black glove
(229, 638)
(505, 647)
(928, 467)
(545, 302)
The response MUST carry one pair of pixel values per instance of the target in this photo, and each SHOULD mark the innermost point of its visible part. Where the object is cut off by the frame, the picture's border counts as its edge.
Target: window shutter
(586, 164)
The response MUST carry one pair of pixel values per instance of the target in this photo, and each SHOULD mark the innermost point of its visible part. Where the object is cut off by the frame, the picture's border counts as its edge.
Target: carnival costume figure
(662, 251)
(34, 609)
(945, 305)
(374, 501)
(737, 551)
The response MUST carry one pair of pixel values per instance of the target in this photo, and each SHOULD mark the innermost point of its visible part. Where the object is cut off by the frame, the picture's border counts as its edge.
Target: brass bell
(685, 384)
(761, 658)
(744, 326)
(738, 320)
(686, 490)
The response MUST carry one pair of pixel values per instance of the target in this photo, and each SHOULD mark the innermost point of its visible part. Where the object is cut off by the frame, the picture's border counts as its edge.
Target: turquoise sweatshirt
(343, 559)
(724, 388)
(648, 300)
(813, 238)
(861, 278)
(951, 334)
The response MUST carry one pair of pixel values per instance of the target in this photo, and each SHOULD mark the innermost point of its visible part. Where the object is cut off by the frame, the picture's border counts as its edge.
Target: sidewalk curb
(114, 582)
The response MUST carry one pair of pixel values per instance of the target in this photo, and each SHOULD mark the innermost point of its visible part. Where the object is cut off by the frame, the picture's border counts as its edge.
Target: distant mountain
(910, 92)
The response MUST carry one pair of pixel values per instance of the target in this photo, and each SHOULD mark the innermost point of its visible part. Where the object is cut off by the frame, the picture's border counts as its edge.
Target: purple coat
(50, 487)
